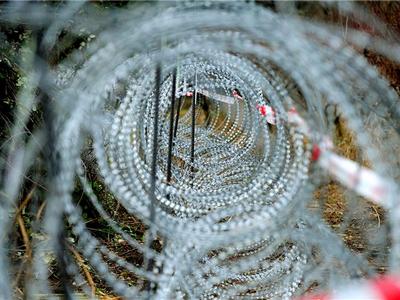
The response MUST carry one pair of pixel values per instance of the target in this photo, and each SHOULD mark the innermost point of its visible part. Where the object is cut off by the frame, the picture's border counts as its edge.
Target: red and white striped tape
(362, 180)
(236, 95)
(215, 96)
(211, 95)
(383, 288)
(268, 112)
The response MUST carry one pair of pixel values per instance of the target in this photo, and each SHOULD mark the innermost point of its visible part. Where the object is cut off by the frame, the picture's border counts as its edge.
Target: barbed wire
(212, 124)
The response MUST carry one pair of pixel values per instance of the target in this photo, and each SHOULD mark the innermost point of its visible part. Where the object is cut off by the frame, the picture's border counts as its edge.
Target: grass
(355, 219)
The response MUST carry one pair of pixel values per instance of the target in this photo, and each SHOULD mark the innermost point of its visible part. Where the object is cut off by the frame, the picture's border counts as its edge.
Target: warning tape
(382, 288)
(188, 92)
(362, 180)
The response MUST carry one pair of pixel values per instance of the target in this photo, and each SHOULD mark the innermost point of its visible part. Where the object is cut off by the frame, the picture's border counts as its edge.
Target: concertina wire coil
(213, 124)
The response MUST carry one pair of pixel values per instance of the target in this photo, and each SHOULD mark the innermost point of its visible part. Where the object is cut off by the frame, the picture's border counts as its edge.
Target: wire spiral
(223, 192)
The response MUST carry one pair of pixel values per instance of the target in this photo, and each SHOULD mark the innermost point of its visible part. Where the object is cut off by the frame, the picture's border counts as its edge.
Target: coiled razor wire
(172, 100)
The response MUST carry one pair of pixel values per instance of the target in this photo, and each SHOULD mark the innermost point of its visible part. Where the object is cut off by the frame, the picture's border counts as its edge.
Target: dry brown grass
(355, 228)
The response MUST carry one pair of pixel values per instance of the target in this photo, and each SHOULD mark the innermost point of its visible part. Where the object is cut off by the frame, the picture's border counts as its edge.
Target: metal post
(155, 144)
(171, 126)
(53, 165)
(194, 99)
(178, 111)
(153, 173)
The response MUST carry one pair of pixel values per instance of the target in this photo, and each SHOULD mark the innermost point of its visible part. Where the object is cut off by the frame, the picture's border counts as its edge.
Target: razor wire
(210, 123)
